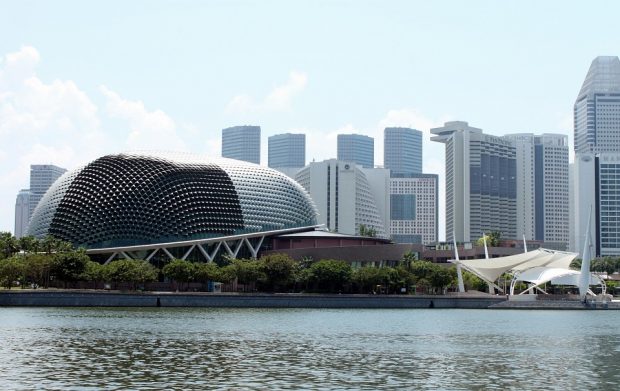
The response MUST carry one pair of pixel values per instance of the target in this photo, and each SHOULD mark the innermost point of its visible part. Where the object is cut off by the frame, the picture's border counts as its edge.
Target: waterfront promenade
(87, 298)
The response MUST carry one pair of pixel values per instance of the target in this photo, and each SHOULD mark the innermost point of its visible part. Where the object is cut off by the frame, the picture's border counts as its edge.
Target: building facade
(241, 143)
(357, 148)
(345, 197)
(481, 182)
(542, 188)
(287, 150)
(597, 145)
(22, 213)
(42, 176)
(402, 150)
(413, 208)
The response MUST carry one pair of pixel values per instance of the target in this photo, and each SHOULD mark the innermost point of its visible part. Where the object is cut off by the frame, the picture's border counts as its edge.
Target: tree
(248, 271)
(493, 239)
(330, 274)
(94, 272)
(365, 230)
(442, 277)
(179, 270)
(29, 244)
(11, 270)
(69, 266)
(366, 278)
(9, 245)
(278, 270)
(131, 271)
(37, 268)
(204, 272)
(408, 259)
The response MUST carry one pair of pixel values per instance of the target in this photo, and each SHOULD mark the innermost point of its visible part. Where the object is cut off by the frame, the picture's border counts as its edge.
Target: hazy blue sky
(82, 78)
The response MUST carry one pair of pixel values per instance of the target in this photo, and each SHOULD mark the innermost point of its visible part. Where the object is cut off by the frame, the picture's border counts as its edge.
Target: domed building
(136, 204)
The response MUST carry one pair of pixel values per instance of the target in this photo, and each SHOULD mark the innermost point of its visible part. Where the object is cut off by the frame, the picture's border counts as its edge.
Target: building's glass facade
(402, 150)
(357, 148)
(287, 150)
(241, 143)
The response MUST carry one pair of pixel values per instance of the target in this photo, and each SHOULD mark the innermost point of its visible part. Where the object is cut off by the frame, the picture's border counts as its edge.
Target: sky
(79, 80)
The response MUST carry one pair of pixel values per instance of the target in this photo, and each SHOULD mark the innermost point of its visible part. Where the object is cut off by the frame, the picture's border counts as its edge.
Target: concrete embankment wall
(151, 299)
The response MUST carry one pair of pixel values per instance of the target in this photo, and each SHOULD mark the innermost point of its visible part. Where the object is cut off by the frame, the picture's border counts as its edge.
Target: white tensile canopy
(533, 267)
(490, 269)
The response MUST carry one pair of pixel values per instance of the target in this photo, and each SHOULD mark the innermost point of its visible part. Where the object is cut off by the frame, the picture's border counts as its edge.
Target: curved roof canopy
(490, 269)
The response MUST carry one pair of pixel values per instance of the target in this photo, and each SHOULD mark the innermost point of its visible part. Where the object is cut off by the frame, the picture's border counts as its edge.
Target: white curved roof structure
(490, 269)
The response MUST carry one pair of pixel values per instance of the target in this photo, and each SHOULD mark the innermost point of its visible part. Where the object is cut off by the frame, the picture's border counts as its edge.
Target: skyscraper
(347, 196)
(42, 176)
(242, 143)
(22, 213)
(480, 182)
(597, 158)
(287, 150)
(402, 150)
(542, 188)
(597, 108)
(413, 208)
(357, 148)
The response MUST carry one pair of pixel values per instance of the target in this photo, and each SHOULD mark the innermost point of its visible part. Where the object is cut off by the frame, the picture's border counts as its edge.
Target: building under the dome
(150, 204)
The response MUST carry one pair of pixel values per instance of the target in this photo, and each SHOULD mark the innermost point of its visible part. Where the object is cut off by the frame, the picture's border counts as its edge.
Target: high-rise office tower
(22, 212)
(42, 176)
(287, 150)
(402, 150)
(348, 196)
(480, 182)
(413, 208)
(357, 148)
(597, 108)
(542, 188)
(597, 158)
(242, 143)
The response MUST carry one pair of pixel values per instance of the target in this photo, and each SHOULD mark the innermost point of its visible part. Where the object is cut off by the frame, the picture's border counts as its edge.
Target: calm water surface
(154, 349)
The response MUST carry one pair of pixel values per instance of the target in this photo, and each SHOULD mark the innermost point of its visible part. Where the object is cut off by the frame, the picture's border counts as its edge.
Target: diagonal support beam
(167, 253)
(152, 254)
(188, 252)
(110, 258)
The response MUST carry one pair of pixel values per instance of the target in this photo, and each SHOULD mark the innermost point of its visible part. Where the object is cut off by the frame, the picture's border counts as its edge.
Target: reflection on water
(149, 349)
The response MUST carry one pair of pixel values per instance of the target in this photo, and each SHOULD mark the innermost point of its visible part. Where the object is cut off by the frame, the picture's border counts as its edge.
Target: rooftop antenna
(459, 272)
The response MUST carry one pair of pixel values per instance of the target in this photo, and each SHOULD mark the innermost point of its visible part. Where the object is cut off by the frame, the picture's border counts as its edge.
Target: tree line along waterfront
(49, 262)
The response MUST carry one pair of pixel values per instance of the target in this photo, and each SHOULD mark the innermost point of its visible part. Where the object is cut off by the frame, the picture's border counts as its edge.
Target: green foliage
(179, 270)
(69, 266)
(131, 271)
(94, 272)
(367, 231)
(8, 245)
(493, 239)
(366, 278)
(227, 273)
(37, 268)
(204, 272)
(278, 269)
(248, 271)
(11, 270)
(473, 282)
(330, 274)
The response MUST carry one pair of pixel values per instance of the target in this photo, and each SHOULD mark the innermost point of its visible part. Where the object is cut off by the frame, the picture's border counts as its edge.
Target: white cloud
(147, 129)
(40, 123)
(279, 99)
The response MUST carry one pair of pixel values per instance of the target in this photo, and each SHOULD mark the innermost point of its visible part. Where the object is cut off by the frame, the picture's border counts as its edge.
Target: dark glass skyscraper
(402, 150)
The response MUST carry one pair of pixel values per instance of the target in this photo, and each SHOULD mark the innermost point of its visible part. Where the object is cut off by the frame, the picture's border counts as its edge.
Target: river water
(157, 349)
